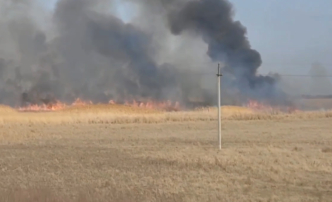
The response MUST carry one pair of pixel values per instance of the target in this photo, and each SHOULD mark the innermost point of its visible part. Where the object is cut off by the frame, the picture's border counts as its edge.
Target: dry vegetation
(119, 153)
(117, 114)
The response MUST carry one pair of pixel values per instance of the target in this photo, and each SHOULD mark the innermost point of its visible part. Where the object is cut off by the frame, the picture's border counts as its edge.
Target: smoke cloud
(82, 50)
(227, 43)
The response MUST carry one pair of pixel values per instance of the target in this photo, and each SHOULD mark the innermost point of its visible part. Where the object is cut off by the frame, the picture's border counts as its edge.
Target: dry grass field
(125, 154)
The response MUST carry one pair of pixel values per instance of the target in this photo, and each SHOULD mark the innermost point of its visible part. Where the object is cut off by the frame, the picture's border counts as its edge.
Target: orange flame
(167, 105)
(255, 105)
(259, 106)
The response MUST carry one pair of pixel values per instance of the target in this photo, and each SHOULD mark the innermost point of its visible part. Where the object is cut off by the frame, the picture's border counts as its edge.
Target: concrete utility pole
(219, 112)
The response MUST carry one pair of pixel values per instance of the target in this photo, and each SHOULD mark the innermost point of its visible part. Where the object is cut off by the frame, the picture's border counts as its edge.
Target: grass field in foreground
(286, 159)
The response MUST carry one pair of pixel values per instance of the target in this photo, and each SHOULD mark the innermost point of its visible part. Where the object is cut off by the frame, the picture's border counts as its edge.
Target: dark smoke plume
(83, 51)
(227, 43)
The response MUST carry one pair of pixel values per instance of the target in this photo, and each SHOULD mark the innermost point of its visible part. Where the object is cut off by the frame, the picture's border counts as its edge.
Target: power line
(292, 64)
(210, 73)
(303, 75)
(281, 75)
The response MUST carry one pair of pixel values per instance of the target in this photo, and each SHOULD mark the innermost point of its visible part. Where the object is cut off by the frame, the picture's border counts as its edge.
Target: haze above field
(290, 35)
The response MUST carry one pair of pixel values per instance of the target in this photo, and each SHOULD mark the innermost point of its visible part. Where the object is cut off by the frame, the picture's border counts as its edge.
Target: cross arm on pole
(219, 73)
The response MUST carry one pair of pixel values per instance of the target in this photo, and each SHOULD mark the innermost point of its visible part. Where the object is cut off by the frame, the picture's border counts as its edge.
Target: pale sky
(289, 34)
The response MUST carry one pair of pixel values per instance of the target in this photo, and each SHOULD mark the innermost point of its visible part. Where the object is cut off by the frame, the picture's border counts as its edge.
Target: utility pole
(219, 112)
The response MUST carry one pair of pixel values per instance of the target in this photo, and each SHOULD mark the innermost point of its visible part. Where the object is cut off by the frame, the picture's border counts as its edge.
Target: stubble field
(125, 154)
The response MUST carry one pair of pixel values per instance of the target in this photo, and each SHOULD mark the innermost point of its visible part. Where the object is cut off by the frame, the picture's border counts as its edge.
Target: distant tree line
(317, 96)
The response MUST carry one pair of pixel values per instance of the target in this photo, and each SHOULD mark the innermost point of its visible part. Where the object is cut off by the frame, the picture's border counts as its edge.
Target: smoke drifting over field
(227, 43)
(83, 50)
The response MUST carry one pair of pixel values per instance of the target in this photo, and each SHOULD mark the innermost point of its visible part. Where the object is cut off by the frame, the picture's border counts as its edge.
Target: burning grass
(121, 114)
(79, 104)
